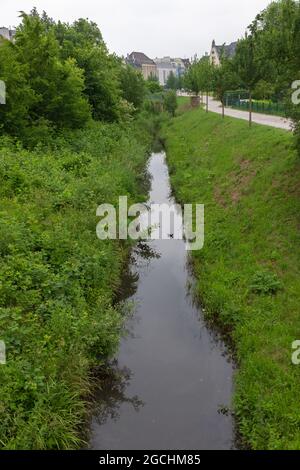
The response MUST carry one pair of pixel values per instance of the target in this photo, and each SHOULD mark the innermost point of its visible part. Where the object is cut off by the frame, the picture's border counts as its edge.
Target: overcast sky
(156, 27)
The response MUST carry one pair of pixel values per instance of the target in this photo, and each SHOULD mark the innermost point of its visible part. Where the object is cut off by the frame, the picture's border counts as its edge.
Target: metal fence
(240, 100)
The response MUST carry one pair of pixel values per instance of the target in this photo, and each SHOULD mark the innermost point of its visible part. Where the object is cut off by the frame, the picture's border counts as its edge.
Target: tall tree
(20, 97)
(247, 67)
(224, 79)
(133, 86)
(192, 79)
(199, 77)
(172, 81)
(273, 33)
(58, 85)
(206, 71)
(83, 42)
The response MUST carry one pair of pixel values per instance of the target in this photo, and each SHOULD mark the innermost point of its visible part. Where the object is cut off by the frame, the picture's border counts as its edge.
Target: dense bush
(57, 280)
(170, 102)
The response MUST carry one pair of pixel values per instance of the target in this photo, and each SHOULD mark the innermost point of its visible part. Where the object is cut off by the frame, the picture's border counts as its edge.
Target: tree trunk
(223, 109)
(207, 101)
(250, 109)
(195, 101)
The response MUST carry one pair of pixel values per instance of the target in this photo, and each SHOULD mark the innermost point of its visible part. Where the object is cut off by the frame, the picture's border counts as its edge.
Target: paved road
(265, 119)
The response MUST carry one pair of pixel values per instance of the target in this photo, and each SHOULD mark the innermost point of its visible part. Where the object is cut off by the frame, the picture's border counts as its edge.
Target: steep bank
(248, 272)
(57, 280)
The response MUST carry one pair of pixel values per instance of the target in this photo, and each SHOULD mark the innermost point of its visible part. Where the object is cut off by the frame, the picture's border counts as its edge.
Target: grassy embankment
(57, 280)
(248, 274)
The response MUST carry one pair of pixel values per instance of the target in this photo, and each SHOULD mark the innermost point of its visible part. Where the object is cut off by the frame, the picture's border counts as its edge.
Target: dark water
(172, 375)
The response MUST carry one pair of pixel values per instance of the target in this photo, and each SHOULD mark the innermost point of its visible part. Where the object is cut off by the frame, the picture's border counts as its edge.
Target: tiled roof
(229, 50)
(7, 33)
(186, 62)
(139, 59)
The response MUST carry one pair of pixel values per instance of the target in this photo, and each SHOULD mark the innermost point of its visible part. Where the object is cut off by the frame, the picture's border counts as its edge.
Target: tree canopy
(61, 75)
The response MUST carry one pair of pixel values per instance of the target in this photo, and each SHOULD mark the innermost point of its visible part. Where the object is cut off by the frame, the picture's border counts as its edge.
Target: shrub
(57, 280)
(170, 102)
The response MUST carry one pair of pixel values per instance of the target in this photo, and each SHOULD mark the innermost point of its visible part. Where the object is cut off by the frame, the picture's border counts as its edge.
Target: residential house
(186, 63)
(7, 33)
(217, 52)
(165, 67)
(141, 62)
(182, 66)
(168, 65)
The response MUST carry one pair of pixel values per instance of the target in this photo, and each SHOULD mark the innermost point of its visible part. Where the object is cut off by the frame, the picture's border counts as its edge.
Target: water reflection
(114, 380)
(140, 258)
(113, 393)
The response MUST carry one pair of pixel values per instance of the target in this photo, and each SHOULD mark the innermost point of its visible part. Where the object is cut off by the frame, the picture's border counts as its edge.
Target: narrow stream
(172, 375)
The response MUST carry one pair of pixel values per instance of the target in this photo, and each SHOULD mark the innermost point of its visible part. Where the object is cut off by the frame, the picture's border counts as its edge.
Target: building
(141, 62)
(186, 63)
(7, 33)
(182, 65)
(167, 65)
(217, 52)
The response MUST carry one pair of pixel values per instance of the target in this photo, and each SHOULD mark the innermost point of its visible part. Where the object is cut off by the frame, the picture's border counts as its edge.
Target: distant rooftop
(229, 51)
(7, 33)
(139, 58)
(186, 62)
(169, 62)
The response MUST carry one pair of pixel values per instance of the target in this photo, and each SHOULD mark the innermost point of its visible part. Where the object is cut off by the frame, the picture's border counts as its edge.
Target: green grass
(182, 100)
(58, 282)
(184, 104)
(248, 274)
